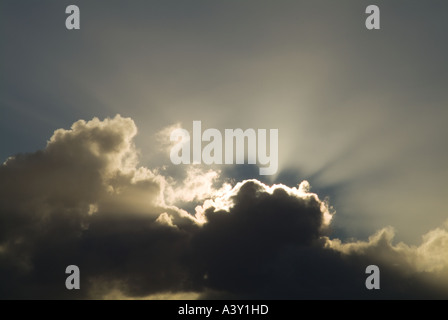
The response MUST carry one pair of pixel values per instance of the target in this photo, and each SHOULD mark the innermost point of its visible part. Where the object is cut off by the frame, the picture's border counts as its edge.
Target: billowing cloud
(430, 257)
(84, 200)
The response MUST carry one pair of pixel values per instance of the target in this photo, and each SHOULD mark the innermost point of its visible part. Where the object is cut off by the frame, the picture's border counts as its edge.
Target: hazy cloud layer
(84, 200)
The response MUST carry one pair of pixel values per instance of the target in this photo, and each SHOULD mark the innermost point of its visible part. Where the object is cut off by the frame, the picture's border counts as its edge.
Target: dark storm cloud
(83, 200)
(271, 244)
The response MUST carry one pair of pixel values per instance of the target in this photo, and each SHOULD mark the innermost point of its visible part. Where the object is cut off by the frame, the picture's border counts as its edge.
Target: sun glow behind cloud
(354, 119)
(84, 198)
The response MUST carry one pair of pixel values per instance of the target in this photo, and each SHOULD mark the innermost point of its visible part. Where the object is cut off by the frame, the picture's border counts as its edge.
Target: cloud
(428, 257)
(84, 200)
(197, 185)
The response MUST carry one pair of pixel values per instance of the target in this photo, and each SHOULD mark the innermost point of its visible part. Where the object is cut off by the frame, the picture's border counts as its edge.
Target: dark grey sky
(361, 114)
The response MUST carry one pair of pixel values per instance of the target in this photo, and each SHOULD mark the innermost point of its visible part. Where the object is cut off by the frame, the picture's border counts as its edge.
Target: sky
(86, 175)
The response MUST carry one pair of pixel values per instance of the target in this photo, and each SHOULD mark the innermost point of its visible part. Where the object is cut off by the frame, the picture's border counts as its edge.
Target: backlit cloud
(85, 200)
